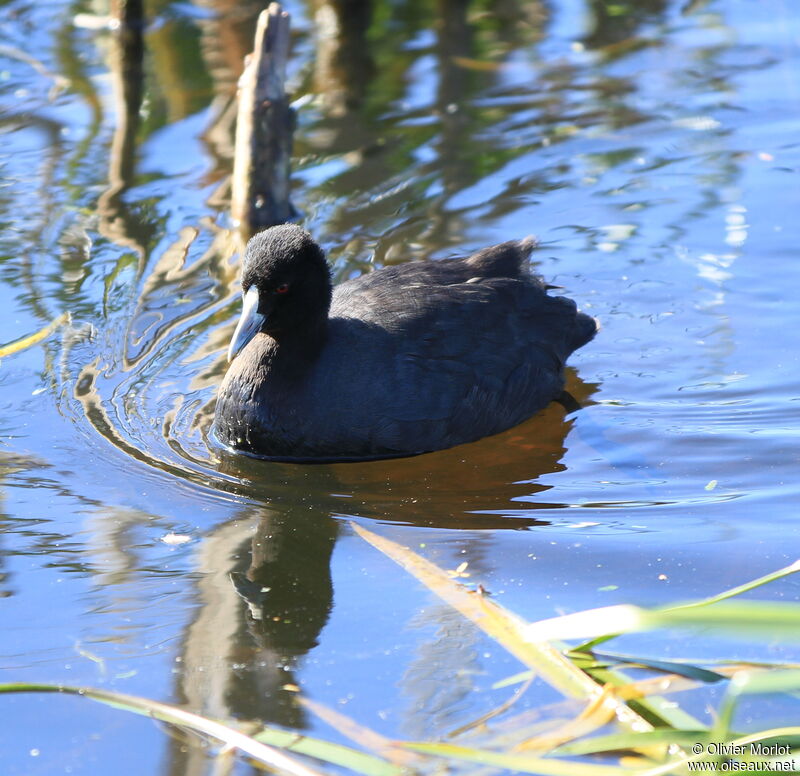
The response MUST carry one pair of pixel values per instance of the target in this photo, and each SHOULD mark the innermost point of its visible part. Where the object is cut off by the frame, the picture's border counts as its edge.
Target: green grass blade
(520, 678)
(336, 754)
(751, 683)
(266, 755)
(792, 568)
(687, 670)
(620, 742)
(362, 735)
(680, 763)
(604, 621)
(659, 711)
(520, 763)
(748, 618)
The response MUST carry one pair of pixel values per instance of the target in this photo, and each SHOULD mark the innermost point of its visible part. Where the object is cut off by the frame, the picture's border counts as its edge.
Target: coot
(404, 360)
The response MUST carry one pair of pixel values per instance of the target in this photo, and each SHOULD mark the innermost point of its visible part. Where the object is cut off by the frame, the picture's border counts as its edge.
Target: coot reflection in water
(404, 360)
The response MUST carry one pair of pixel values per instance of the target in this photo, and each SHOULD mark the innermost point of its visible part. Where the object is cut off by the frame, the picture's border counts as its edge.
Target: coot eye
(282, 288)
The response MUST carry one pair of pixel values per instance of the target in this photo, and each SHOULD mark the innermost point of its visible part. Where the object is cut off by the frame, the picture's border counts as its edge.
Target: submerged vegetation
(623, 724)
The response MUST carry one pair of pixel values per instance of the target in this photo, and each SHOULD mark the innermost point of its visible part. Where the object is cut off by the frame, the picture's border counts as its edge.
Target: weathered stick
(260, 187)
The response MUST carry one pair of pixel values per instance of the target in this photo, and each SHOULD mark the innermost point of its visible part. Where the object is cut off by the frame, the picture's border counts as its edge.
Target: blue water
(655, 154)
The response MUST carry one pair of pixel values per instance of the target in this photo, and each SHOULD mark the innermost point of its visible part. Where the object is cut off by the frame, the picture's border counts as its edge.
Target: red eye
(282, 288)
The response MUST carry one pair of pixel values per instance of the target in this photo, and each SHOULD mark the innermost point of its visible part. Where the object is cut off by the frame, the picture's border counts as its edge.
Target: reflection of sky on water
(656, 164)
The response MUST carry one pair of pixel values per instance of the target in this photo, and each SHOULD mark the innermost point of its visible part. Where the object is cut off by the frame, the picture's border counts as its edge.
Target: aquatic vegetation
(624, 725)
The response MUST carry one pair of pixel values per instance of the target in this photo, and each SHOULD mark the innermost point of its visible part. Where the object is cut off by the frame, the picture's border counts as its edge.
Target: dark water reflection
(651, 146)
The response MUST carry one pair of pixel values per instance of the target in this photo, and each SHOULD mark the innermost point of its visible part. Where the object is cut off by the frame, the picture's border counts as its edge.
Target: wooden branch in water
(260, 187)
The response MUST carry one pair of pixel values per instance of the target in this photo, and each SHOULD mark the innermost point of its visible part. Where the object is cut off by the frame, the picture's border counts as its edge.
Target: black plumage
(403, 360)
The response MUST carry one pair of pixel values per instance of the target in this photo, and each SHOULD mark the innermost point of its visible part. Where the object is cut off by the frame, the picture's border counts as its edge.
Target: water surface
(651, 146)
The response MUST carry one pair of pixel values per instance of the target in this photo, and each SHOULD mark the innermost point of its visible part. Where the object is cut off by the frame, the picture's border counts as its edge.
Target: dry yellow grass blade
(32, 339)
(597, 714)
(482, 65)
(508, 630)
(495, 712)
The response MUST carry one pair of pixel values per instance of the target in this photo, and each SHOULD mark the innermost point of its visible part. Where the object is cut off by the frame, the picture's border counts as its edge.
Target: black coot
(403, 360)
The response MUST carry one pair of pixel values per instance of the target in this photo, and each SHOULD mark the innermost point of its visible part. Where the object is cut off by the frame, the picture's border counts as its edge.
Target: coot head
(286, 285)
